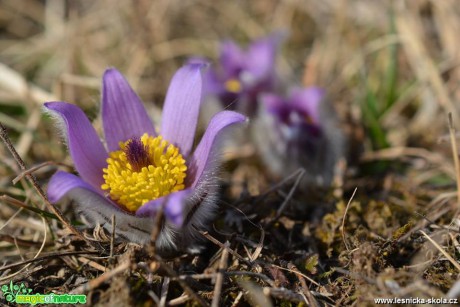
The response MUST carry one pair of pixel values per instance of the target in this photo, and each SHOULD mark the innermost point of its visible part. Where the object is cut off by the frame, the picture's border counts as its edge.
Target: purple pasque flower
(299, 112)
(139, 170)
(304, 133)
(244, 74)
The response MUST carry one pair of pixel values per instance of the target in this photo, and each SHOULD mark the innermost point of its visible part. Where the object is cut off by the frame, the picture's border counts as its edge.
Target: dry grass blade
(398, 152)
(283, 182)
(221, 245)
(31, 178)
(237, 299)
(285, 294)
(260, 245)
(21, 205)
(409, 26)
(297, 272)
(179, 301)
(311, 300)
(93, 264)
(21, 242)
(44, 257)
(256, 294)
(112, 236)
(14, 82)
(342, 227)
(449, 257)
(263, 277)
(453, 142)
(220, 276)
(35, 168)
(102, 279)
(290, 194)
(42, 246)
(182, 283)
(164, 292)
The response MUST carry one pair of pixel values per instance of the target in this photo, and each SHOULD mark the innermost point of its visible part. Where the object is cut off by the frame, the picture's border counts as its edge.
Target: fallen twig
(220, 276)
(94, 283)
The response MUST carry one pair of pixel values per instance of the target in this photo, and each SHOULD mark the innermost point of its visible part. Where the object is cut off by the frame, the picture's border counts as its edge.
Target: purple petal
(174, 209)
(231, 58)
(260, 60)
(87, 152)
(308, 101)
(62, 183)
(123, 113)
(174, 206)
(98, 209)
(198, 60)
(150, 208)
(276, 106)
(182, 106)
(212, 84)
(273, 103)
(203, 157)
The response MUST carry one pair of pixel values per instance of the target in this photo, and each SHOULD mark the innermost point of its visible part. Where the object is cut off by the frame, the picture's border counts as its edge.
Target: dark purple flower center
(296, 118)
(137, 154)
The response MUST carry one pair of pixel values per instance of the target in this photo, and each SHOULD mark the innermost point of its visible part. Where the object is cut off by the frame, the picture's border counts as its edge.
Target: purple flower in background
(244, 74)
(296, 120)
(303, 134)
(139, 170)
(297, 113)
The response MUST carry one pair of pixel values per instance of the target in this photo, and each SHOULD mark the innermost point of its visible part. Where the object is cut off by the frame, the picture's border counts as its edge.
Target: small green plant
(378, 101)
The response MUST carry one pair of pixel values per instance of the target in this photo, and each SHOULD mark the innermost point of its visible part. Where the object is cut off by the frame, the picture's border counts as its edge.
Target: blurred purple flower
(303, 134)
(244, 74)
(140, 171)
(300, 111)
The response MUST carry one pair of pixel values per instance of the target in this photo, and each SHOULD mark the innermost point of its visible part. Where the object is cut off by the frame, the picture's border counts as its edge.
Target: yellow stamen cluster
(132, 185)
(233, 85)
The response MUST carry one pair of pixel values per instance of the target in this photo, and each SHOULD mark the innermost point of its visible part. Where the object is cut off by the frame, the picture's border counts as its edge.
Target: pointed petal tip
(203, 157)
(182, 106)
(196, 64)
(87, 151)
(48, 107)
(196, 60)
(52, 105)
(238, 117)
(226, 118)
(111, 72)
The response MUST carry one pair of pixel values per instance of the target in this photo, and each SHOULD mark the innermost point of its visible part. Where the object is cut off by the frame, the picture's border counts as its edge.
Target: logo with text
(20, 294)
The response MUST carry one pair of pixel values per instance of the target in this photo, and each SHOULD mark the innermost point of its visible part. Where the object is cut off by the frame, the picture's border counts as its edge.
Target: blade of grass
(453, 142)
(392, 69)
(439, 248)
